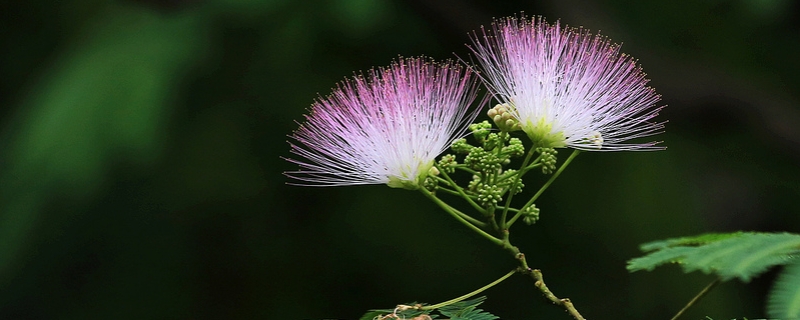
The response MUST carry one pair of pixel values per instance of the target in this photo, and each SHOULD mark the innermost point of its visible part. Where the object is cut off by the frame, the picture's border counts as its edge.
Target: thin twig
(469, 295)
(564, 303)
(513, 189)
(460, 217)
(461, 191)
(544, 187)
(696, 298)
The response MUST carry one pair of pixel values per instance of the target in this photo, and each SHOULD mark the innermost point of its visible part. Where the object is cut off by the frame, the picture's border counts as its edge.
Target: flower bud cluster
(460, 146)
(493, 140)
(548, 159)
(503, 118)
(430, 184)
(473, 184)
(486, 158)
(509, 177)
(530, 214)
(481, 130)
(486, 161)
(514, 148)
(448, 163)
(489, 194)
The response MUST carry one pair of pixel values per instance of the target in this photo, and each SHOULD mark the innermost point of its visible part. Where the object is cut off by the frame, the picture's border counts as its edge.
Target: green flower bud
(461, 146)
(504, 118)
(473, 184)
(530, 214)
(514, 148)
(448, 163)
(492, 141)
(430, 184)
(548, 159)
(480, 130)
(489, 195)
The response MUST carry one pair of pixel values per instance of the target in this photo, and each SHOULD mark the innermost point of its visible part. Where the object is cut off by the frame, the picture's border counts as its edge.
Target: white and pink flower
(566, 87)
(386, 127)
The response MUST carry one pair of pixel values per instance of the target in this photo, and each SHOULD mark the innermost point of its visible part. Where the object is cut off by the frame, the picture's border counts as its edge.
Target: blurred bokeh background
(140, 170)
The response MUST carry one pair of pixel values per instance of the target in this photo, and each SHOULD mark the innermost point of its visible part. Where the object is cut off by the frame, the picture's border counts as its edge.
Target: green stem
(463, 167)
(544, 187)
(478, 223)
(468, 295)
(514, 189)
(467, 217)
(460, 217)
(509, 209)
(450, 191)
(446, 190)
(565, 303)
(697, 298)
(536, 274)
(531, 167)
(492, 220)
(461, 192)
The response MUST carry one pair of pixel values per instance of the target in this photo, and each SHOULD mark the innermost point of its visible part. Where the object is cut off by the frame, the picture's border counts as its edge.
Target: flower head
(386, 127)
(566, 87)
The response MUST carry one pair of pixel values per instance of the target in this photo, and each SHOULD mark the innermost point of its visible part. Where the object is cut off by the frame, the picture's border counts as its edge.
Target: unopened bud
(503, 117)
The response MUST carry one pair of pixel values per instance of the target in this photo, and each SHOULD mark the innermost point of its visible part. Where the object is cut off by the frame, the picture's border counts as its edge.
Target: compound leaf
(740, 255)
(784, 298)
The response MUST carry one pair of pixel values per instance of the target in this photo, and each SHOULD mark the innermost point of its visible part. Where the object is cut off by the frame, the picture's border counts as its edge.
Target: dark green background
(140, 170)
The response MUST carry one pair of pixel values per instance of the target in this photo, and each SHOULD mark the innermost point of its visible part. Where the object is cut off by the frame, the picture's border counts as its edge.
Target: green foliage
(740, 255)
(784, 299)
(688, 241)
(463, 310)
(467, 310)
(486, 161)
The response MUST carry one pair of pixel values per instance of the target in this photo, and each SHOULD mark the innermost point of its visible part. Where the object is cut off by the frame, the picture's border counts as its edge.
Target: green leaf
(735, 255)
(784, 299)
(472, 313)
(657, 258)
(467, 310)
(688, 241)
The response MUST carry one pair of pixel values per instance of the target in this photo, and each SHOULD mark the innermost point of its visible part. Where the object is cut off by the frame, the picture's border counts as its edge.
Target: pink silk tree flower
(386, 127)
(566, 87)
